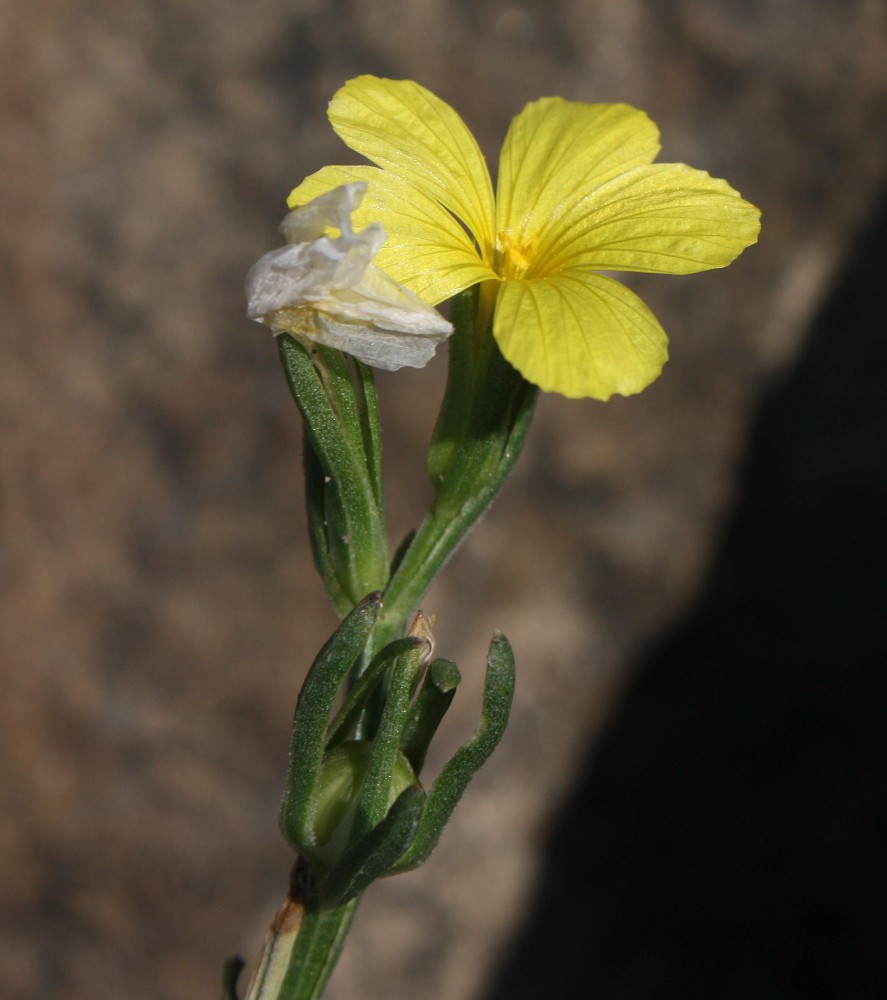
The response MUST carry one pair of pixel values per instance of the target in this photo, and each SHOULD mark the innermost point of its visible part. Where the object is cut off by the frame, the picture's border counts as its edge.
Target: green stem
(481, 430)
(301, 949)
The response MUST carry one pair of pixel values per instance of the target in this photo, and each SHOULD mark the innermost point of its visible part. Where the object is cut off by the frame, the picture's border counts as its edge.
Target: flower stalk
(480, 432)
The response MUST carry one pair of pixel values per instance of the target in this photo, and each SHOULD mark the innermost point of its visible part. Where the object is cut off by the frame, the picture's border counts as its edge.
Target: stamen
(512, 258)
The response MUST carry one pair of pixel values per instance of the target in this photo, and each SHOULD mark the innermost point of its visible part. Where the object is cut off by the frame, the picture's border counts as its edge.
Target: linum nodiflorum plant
(370, 250)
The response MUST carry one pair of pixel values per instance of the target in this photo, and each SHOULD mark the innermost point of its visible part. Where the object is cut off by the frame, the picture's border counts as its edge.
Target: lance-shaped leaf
(454, 778)
(313, 708)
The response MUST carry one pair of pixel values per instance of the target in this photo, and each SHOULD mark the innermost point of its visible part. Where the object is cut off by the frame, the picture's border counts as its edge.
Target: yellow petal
(556, 151)
(406, 129)
(426, 249)
(664, 217)
(579, 335)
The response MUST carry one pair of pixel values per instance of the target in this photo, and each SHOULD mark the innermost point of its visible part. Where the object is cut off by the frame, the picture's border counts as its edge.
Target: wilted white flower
(327, 290)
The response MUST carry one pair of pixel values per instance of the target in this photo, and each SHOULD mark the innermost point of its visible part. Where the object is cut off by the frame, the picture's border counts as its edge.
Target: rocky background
(687, 801)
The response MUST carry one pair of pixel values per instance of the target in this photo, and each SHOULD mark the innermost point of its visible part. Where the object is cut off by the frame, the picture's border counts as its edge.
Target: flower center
(512, 257)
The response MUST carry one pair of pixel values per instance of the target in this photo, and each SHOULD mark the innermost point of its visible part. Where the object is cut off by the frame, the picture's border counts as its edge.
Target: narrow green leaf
(315, 702)
(455, 776)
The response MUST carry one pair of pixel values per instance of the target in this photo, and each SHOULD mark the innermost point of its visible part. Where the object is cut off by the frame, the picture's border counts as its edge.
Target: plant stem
(301, 947)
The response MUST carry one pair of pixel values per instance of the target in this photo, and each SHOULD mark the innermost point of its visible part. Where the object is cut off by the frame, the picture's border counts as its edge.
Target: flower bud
(343, 772)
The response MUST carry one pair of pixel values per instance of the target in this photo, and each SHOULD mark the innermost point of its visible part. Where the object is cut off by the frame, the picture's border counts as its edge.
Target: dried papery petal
(325, 289)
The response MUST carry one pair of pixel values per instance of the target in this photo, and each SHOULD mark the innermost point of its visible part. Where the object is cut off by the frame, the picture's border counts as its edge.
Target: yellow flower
(578, 193)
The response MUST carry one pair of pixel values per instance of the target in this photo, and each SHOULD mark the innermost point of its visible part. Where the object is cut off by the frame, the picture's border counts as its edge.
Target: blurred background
(690, 799)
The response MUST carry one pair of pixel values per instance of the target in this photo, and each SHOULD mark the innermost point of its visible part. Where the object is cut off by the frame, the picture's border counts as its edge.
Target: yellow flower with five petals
(578, 194)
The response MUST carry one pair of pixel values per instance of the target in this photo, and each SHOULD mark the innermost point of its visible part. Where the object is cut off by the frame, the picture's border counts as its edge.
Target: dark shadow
(728, 837)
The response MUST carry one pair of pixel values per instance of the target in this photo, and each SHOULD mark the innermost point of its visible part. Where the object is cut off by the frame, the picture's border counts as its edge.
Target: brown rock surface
(159, 606)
